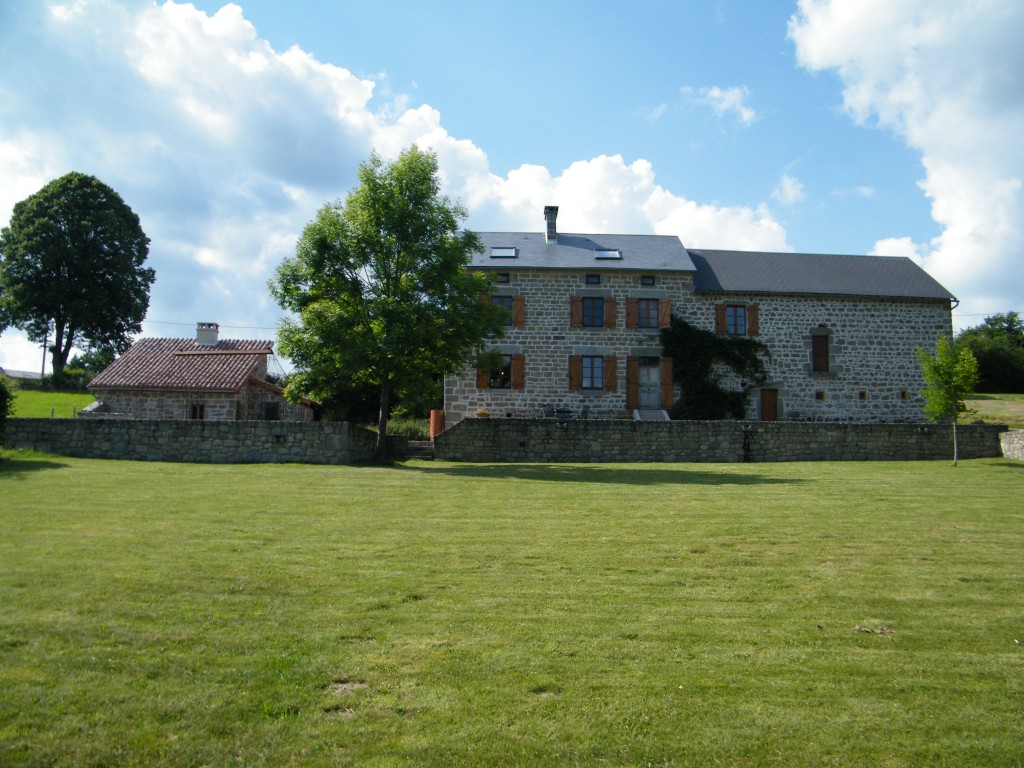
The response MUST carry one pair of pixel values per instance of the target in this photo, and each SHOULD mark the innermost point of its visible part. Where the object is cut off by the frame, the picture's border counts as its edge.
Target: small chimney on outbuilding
(207, 334)
(550, 232)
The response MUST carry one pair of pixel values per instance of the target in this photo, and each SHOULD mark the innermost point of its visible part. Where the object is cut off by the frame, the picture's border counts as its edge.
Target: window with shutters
(505, 302)
(501, 376)
(593, 312)
(592, 372)
(514, 305)
(648, 313)
(197, 411)
(737, 320)
(501, 371)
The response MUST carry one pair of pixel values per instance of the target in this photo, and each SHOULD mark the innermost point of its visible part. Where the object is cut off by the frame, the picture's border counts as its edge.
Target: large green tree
(72, 268)
(998, 346)
(950, 375)
(381, 289)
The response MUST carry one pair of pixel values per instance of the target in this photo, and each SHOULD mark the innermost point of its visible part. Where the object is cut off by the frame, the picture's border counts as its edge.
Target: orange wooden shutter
(576, 312)
(610, 383)
(632, 313)
(720, 319)
(575, 372)
(518, 371)
(632, 382)
(664, 313)
(518, 311)
(610, 309)
(753, 320)
(666, 383)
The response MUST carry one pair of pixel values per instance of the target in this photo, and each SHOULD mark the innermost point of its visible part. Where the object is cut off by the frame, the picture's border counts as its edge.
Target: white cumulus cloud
(725, 101)
(948, 78)
(226, 147)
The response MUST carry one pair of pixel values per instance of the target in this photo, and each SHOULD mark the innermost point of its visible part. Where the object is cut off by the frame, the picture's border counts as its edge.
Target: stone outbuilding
(205, 378)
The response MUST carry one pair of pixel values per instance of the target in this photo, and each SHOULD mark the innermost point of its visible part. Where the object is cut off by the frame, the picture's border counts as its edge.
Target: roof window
(603, 253)
(504, 253)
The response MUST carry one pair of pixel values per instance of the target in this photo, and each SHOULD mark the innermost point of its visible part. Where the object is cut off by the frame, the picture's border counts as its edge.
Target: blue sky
(831, 126)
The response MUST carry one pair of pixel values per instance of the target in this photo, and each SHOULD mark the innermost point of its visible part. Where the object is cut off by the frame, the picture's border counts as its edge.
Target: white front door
(650, 382)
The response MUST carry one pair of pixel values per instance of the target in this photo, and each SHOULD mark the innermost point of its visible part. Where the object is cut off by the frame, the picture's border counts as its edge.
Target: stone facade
(547, 440)
(253, 402)
(873, 372)
(204, 442)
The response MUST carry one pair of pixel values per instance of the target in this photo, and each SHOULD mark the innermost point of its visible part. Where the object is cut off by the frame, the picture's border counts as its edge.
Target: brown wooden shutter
(666, 383)
(518, 371)
(753, 320)
(575, 372)
(610, 310)
(610, 383)
(664, 312)
(483, 377)
(720, 319)
(576, 312)
(632, 382)
(518, 311)
(485, 299)
(632, 313)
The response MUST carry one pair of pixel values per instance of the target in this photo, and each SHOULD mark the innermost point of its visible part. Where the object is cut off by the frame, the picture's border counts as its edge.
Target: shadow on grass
(13, 465)
(598, 473)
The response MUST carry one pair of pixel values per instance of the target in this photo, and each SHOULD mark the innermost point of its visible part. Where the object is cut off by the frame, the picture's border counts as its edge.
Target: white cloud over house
(946, 77)
(226, 148)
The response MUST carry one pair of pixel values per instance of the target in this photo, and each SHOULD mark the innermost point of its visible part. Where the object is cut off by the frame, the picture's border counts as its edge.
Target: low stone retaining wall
(202, 442)
(1013, 444)
(544, 440)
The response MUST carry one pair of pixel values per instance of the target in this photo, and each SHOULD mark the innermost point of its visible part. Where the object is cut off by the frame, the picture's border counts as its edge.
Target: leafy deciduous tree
(381, 289)
(949, 377)
(71, 267)
(998, 346)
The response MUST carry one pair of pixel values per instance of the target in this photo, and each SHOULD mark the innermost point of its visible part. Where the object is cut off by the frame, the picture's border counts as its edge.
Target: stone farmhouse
(205, 378)
(585, 313)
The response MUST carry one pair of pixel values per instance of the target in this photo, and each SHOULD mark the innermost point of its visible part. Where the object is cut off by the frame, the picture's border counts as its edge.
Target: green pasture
(45, 404)
(435, 614)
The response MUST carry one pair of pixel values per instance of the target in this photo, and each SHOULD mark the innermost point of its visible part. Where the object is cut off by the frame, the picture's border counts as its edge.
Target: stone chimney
(550, 214)
(206, 334)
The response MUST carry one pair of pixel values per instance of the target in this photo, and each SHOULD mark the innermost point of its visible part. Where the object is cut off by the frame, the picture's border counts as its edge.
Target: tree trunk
(382, 420)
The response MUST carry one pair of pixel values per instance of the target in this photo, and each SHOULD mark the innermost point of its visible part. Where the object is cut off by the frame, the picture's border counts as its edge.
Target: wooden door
(769, 405)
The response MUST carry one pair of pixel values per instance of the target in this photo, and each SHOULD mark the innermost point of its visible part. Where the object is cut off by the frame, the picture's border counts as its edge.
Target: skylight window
(504, 253)
(607, 254)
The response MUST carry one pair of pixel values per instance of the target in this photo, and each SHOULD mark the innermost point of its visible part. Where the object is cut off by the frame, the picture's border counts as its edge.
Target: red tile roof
(184, 364)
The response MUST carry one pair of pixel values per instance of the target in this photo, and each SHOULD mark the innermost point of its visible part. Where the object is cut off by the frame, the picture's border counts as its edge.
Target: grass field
(843, 614)
(44, 404)
(997, 409)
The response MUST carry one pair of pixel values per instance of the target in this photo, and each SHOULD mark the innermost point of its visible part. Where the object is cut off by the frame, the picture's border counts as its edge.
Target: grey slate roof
(184, 364)
(806, 273)
(573, 251)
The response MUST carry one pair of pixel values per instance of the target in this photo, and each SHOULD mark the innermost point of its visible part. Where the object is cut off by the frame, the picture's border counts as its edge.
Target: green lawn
(434, 614)
(997, 409)
(44, 404)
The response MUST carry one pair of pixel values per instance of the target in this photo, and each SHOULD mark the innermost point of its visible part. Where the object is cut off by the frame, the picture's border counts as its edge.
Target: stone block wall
(1013, 444)
(203, 442)
(544, 440)
(874, 374)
